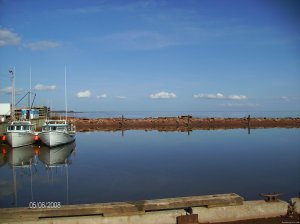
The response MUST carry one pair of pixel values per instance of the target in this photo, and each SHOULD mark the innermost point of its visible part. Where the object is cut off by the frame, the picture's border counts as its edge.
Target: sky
(150, 55)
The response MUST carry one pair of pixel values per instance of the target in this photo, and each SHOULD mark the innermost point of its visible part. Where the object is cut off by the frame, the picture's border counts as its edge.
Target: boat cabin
(56, 125)
(20, 126)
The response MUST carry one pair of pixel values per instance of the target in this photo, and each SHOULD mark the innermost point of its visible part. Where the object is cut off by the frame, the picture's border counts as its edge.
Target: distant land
(63, 111)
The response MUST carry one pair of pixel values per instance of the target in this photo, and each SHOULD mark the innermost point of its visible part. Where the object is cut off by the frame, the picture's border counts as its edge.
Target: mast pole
(30, 87)
(12, 72)
(66, 103)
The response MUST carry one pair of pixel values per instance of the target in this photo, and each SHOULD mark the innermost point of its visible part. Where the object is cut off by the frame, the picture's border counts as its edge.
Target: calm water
(105, 167)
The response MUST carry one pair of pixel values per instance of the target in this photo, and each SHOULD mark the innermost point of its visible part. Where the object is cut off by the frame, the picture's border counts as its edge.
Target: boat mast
(29, 105)
(12, 72)
(66, 103)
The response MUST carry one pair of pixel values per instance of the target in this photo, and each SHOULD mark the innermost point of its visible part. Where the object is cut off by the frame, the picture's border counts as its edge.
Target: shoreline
(181, 123)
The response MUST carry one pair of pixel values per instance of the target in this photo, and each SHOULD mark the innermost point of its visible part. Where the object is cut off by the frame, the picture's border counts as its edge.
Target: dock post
(122, 125)
(248, 124)
(188, 125)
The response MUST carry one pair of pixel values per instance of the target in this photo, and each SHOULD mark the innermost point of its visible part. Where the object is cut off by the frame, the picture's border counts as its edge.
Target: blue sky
(148, 55)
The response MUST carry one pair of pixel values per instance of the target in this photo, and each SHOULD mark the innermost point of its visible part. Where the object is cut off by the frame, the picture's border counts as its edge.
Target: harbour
(150, 112)
(146, 165)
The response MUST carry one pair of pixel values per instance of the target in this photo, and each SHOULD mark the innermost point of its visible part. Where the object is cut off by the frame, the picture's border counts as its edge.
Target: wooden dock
(8, 215)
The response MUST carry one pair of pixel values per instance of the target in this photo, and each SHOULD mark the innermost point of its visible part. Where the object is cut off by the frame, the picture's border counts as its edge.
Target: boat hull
(18, 139)
(53, 138)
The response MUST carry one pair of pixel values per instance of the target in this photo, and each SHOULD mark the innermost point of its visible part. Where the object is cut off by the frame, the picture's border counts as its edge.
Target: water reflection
(25, 165)
(3, 155)
(56, 156)
(22, 159)
(22, 156)
(147, 165)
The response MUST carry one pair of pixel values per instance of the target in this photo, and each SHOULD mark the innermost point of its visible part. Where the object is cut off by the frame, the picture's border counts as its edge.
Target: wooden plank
(121, 208)
(187, 219)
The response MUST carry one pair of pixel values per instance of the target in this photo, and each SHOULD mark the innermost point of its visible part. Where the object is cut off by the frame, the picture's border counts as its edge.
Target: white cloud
(84, 94)
(138, 40)
(285, 98)
(102, 96)
(240, 105)
(237, 97)
(8, 37)
(219, 96)
(41, 45)
(121, 97)
(209, 96)
(43, 87)
(8, 90)
(163, 95)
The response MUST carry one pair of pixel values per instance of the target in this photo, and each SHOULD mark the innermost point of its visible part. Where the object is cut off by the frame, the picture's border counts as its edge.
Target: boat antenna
(66, 103)
(12, 72)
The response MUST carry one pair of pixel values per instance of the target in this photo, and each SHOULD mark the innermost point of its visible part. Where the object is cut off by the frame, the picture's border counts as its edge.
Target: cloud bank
(219, 96)
(285, 98)
(137, 40)
(102, 96)
(8, 37)
(8, 90)
(163, 95)
(84, 94)
(41, 45)
(237, 97)
(121, 97)
(209, 96)
(42, 87)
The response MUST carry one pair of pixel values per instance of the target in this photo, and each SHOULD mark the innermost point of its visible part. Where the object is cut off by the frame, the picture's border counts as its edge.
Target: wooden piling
(248, 124)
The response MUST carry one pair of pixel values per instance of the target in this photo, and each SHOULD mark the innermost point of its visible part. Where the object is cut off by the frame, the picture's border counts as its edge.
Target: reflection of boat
(20, 133)
(21, 156)
(56, 156)
(3, 154)
(57, 132)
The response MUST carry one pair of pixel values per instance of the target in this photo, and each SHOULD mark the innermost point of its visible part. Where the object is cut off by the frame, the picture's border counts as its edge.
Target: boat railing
(55, 122)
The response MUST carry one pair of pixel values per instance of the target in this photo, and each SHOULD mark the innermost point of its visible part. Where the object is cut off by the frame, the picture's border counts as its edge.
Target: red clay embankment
(182, 123)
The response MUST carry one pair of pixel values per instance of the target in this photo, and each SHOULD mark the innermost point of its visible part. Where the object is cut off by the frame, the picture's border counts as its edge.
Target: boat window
(53, 128)
(11, 128)
(60, 128)
(26, 127)
(18, 127)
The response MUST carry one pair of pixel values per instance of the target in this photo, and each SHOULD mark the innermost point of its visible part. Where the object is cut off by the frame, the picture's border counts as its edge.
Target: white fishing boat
(57, 132)
(20, 133)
